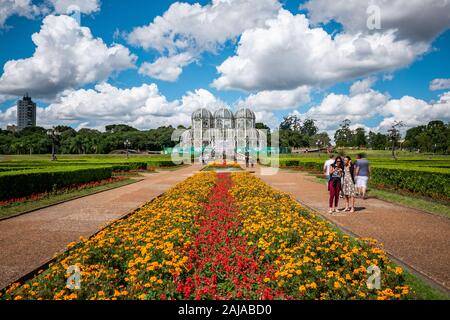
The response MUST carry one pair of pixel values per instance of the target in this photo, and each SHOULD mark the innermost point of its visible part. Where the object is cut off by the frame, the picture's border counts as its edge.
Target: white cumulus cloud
(288, 53)
(166, 68)
(414, 20)
(66, 56)
(277, 100)
(24, 8)
(440, 84)
(362, 86)
(143, 107)
(364, 103)
(194, 28)
(335, 108)
(414, 112)
(68, 6)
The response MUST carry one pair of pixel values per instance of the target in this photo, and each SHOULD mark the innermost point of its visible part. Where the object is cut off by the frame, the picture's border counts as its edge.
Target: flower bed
(214, 274)
(218, 236)
(223, 165)
(23, 183)
(312, 259)
(135, 258)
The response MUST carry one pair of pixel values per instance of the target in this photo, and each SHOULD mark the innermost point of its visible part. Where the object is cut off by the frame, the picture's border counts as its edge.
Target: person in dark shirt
(362, 175)
(335, 184)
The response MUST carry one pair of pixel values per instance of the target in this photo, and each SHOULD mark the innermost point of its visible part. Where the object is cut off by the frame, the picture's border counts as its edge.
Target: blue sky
(113, 21)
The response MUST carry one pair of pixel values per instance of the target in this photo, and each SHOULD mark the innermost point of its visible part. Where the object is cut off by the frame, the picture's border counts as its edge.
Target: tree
(433, 137)
(320, 140)
(344, 136)
(412, 137)
(394, 135)
(359, 138)
(292, 139)
(68, 131)
(377, 141)
(439, 135)
(291, 123)
(112, 128)
(262, 126)
(309, 128)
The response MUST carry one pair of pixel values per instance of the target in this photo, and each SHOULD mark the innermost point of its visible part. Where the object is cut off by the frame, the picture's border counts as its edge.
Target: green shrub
(18, 184)
(429, 182)
(127, 166)
(160, 163)
(289, 163)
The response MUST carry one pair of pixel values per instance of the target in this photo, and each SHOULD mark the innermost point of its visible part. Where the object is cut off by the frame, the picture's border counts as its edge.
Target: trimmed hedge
(315, 165)
(430, 183)
(161, 163)
(24, 183)
(127, 166)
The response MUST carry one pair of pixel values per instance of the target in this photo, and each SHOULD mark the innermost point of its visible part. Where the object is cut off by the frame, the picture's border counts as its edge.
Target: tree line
(36, 140)
(293, 133)
(433, 137)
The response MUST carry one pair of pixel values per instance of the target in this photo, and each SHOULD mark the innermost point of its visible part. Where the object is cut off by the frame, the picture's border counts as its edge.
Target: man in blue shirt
(362, 175)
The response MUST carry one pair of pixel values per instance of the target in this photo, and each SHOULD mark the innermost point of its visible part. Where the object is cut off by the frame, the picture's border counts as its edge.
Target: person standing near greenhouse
(362, 175)
(336, 174)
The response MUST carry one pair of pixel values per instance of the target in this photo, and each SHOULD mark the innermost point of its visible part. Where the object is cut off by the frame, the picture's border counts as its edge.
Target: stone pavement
(30, 240)
(418, 239)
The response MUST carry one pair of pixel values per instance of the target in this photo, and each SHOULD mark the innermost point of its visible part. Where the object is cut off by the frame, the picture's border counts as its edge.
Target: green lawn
(422, 289)
(19, 208)
(174, 168)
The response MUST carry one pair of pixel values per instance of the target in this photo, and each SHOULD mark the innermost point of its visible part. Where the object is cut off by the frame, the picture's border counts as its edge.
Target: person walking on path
(326, 170)
(348, 186)
(336, 174)
(362, 175)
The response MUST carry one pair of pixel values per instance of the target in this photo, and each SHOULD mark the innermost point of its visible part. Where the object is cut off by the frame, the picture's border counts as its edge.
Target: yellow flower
(336, 285)
(398, 270)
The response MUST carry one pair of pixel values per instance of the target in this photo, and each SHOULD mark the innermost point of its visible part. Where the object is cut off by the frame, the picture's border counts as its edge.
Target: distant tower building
(26, 113)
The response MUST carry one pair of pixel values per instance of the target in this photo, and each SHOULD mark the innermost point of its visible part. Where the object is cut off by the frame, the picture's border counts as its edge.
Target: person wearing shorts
(326, 169)
(362, 175)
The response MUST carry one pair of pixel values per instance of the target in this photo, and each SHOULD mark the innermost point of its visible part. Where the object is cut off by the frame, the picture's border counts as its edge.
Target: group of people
(346, 179)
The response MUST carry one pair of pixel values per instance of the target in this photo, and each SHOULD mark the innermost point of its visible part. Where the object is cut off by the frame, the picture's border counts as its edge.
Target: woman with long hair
(336, 174)
(349, 184)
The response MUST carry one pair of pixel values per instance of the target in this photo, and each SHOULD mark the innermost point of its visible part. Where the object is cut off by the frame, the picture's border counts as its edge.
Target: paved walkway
(30, 240)
(419, 239)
